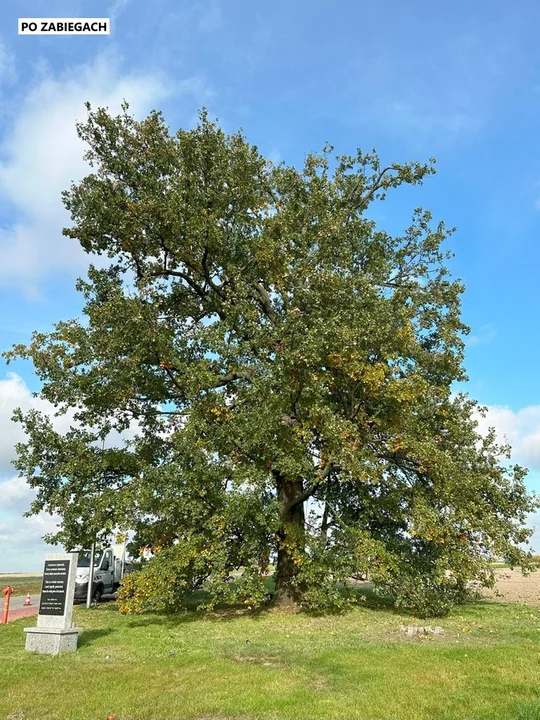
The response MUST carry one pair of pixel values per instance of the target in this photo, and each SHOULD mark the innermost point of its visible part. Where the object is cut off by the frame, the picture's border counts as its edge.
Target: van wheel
(97, 595)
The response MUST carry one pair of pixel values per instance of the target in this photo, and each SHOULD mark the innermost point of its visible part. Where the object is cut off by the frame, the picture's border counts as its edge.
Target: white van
(110, 566)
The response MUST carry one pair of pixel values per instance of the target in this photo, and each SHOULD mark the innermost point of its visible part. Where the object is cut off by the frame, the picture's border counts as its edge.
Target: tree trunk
(290, 543)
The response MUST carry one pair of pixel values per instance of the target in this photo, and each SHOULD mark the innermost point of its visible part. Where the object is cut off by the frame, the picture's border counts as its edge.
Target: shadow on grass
(87, 637)
(224, 614)
(370, 599)
(366, 598)
(230, 613)
(193, 611)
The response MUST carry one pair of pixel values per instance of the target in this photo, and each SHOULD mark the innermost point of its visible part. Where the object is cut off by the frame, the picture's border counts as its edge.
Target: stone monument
(54, 632)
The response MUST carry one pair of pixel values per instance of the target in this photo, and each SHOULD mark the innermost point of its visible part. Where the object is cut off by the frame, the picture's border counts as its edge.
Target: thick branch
(308, 492)
(265, 301)
(208, 277)
(192, 284)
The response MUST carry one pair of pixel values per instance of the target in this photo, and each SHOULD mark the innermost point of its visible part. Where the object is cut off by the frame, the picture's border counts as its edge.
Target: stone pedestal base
(51, 641)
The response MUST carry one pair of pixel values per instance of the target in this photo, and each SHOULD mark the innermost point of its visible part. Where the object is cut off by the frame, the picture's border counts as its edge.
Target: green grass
(21, 584)
(277, 666)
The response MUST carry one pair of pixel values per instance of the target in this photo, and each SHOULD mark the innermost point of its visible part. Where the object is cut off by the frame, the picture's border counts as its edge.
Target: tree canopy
(283, 368)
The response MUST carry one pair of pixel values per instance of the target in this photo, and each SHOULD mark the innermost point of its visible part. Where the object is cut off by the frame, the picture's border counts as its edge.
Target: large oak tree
(287, 367)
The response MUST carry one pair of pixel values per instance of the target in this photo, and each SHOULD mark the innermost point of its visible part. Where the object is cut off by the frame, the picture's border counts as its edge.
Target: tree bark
(291, 542)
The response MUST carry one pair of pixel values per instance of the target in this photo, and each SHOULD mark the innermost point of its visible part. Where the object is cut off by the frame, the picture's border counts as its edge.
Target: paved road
(16, 603)
(17, 608)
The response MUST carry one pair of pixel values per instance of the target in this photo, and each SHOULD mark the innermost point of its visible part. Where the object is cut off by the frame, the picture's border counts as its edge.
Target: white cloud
(520, 428)
(16, 494)
(21, 540)
(21, 544)
(41, 155)
(13, 394)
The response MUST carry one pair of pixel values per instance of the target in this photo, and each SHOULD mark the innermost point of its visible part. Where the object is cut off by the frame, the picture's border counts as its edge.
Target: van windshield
(84, 559)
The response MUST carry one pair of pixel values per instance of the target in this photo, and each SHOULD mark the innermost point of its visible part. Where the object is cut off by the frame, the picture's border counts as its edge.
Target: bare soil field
(512, 586)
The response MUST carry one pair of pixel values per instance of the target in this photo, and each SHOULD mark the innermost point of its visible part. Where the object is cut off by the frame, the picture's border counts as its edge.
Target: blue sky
(459, 81)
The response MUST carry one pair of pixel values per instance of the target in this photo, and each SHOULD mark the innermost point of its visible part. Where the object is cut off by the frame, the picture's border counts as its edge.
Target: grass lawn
(21, 584)
(280, 666)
